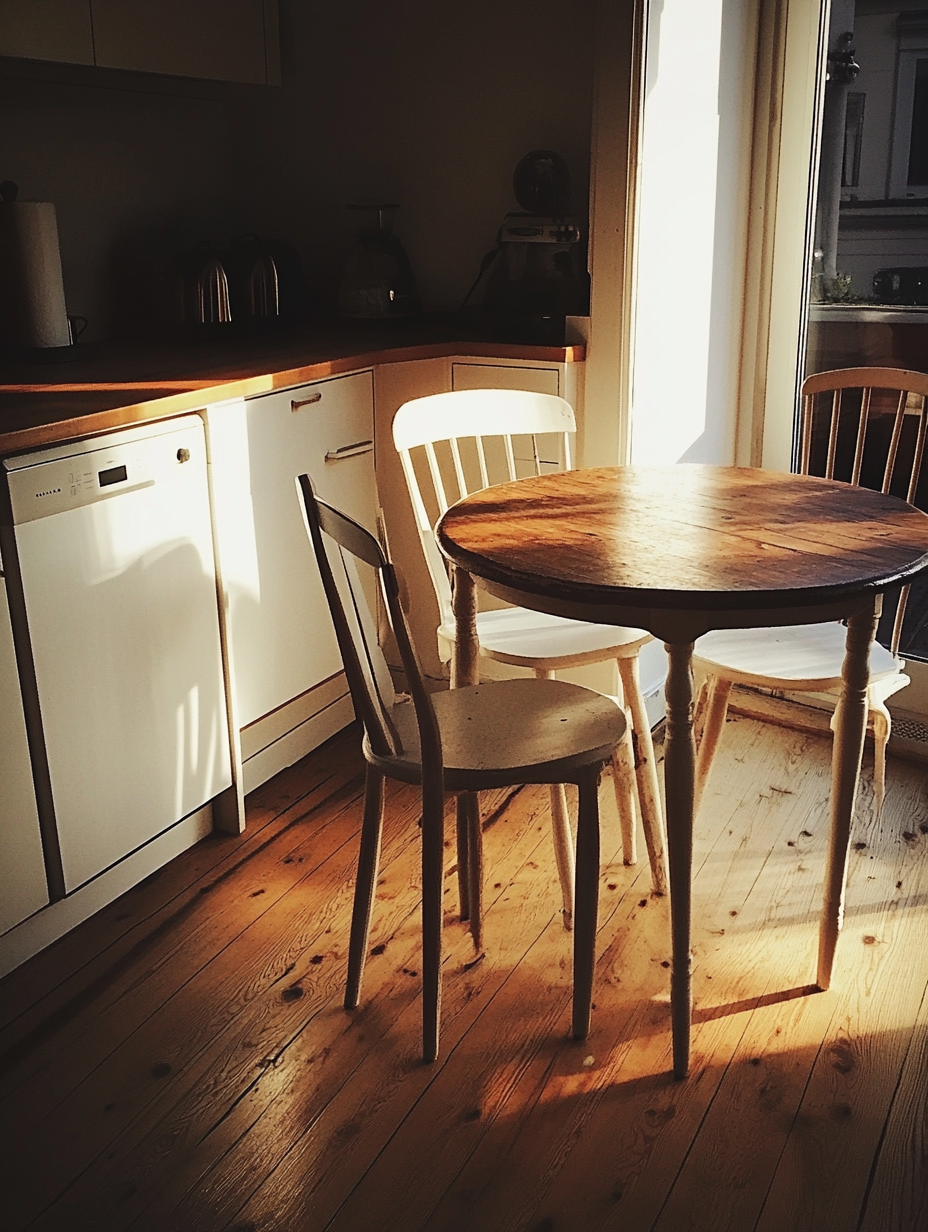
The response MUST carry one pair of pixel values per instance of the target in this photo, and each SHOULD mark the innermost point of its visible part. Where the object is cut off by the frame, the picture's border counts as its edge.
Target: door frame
(786, 96)
(788, 99)
(604, 436)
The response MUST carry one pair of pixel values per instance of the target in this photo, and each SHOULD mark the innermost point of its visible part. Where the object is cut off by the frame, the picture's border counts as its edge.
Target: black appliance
(906, 285)
(536, 275)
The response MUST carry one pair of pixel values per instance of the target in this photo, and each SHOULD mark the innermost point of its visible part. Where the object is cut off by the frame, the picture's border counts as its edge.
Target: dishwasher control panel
(49, 483)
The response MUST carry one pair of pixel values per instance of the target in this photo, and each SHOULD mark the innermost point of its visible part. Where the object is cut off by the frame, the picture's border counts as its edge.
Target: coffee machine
(536, 275)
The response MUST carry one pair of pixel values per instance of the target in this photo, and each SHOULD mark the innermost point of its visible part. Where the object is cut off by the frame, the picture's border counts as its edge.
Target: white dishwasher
(114, 572)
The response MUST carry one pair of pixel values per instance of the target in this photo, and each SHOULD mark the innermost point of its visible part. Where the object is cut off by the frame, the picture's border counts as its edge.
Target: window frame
(912, 48)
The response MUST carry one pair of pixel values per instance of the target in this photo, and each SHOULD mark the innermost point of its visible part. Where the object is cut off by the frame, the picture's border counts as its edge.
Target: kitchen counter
(117, 384)
(282, 693)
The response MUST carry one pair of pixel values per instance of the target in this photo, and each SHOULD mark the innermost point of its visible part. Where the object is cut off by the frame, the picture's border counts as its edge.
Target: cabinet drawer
(513, 376)
(505, 376)
(281, 634)
(337, 417)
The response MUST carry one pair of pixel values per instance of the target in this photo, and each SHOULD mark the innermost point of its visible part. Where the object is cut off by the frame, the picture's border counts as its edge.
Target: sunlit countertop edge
(77, 400)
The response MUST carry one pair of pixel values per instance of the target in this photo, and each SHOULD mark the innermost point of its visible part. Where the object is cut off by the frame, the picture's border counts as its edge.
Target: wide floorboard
(182, 1062)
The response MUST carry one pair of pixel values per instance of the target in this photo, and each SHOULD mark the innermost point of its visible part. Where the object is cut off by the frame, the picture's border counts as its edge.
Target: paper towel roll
(32, 307)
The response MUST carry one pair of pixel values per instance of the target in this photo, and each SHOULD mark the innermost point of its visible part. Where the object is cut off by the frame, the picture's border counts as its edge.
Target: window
(853, 136)
(918, 142)
(908, 175)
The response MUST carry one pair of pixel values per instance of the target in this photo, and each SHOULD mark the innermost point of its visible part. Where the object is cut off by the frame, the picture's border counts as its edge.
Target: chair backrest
(339, 543)
(456, 443)
(867, 426)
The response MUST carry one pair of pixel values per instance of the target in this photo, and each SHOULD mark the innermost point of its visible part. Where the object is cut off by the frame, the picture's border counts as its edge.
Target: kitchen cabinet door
(512, 376)
(225, 40)
(281, 635)
(47, 30)
(23, 889)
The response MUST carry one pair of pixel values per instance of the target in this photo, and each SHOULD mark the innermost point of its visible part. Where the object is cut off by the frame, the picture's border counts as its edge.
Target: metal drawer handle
(349, 451)
(315, 396)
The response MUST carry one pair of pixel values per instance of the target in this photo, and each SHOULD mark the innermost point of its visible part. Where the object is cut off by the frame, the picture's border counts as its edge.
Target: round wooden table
(678, 551)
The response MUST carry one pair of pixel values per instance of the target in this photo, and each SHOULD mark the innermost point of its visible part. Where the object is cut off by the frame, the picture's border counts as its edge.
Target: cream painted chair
(866, 426)
(459, 740)
(453, 444)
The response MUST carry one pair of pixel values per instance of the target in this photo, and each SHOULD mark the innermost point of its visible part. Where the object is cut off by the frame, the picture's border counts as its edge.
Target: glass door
(869, 249)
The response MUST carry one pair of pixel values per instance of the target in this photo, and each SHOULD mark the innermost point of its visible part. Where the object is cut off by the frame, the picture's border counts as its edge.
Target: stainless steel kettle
(212, 301)
(206, 297)
(265, 281)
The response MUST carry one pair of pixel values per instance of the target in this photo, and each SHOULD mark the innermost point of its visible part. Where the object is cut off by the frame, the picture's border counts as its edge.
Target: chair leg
(474, 835)
(587, 900)
(562, 836)
(563, 850)
(882, 726)
(433, 847)
(625, 787)
(463, 812)
(716, 708)
(368, 861)
(623, 780)
(649, 795)
(699, 710)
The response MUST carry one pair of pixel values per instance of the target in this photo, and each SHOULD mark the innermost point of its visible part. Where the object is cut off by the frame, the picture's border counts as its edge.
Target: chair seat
(525, 638)
(792, 657)
(511, 731)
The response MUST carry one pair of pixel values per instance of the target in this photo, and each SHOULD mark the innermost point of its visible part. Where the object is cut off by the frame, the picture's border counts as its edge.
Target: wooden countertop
(115, 385)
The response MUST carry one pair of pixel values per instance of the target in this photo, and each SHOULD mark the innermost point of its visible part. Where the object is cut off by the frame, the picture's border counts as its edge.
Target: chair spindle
(893, 451)
(861, 435)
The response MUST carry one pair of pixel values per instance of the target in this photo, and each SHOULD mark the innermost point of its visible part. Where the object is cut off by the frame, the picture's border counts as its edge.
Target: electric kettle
(206, 297)
(265, 281)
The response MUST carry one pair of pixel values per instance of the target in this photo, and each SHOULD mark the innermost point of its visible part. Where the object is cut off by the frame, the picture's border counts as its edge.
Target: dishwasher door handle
(349, 451)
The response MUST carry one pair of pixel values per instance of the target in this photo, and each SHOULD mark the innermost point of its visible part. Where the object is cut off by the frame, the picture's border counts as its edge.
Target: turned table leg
(465, 670)
(464, 661)
(850, 728)
(679, 780)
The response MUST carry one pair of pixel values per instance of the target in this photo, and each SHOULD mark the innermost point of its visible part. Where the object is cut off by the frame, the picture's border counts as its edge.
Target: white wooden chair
(453, 444)
(866, 426)
(460, 740)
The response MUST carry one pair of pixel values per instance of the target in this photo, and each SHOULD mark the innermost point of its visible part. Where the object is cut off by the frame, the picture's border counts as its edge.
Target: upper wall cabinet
(224, 40)
(47, 30)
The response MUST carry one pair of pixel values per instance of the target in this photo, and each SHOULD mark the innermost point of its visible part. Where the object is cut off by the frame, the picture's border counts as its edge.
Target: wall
(430, 105)
(130, 161)
(427, 105)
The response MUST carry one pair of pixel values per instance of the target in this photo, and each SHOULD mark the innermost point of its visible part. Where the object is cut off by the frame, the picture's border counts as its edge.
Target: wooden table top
(682, 537)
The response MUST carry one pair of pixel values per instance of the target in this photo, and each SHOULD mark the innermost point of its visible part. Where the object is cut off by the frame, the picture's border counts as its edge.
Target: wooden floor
(182, 1060)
